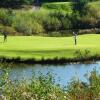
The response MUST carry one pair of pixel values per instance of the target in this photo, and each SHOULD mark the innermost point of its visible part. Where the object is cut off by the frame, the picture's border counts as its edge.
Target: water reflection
(62, 73)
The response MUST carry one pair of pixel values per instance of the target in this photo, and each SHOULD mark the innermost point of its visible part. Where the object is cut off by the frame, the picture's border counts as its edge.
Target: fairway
(66, 5)
(48, 47)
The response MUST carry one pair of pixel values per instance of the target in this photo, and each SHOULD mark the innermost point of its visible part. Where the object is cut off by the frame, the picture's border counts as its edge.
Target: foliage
(6, 16)
(85, 54)
(78, 90)
(43, 88)
(50, 17)
(30, 23)
(80, 6)
(46, 84)
(9, 30)
(14, 3)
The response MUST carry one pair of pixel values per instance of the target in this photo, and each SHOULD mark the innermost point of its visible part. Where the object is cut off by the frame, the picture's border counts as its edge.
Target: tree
(80, 6)
(79, 10)
(14, 3)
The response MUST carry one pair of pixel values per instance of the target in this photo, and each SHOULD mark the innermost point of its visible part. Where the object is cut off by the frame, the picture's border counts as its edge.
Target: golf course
(37, 47)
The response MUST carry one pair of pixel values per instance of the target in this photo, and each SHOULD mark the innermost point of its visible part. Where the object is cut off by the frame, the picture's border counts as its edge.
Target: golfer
(5, 34)
(75, 37)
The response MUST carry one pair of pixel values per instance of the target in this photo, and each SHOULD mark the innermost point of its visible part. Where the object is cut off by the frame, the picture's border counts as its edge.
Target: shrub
(52, 23)
(46, 21)
(6, 17)
(82, 91)
(88, 22)
(26, 24)
(98, 31)
(9, 30)
(43, 88)
(63, 18)
(82, 54)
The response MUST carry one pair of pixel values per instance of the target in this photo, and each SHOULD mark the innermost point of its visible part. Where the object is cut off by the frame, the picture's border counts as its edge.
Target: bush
(9, 30)
(98, 31)
(64, 19)
(6, 16)
(43, 88)
(83, 91)
(87, 23)
(26, 24)
(52, 23)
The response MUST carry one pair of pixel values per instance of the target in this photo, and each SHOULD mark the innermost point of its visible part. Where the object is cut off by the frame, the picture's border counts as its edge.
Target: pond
(62, 73)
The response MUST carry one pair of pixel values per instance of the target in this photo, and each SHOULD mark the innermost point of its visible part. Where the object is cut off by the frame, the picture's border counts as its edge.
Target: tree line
(81, 16)
(14, 3)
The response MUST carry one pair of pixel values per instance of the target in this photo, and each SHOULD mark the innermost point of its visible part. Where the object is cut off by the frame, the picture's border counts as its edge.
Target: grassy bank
(38, 48)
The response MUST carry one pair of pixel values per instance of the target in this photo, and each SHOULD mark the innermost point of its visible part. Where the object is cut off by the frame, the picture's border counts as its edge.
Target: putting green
(48, 47)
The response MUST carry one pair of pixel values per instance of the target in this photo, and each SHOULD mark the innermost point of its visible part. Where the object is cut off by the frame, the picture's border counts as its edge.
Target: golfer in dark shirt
(5, 36)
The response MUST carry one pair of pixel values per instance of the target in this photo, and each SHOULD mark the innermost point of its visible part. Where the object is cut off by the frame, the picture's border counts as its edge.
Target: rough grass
(48, 47)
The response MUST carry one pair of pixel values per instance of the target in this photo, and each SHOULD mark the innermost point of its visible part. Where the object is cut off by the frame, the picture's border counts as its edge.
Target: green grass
(48, 47)
(96, 4)
(66, 5)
